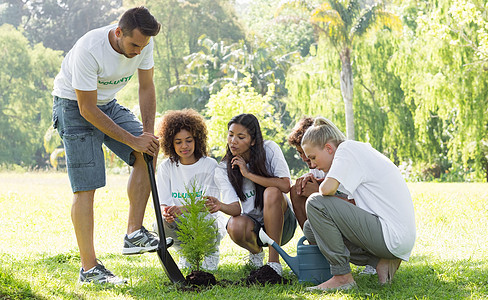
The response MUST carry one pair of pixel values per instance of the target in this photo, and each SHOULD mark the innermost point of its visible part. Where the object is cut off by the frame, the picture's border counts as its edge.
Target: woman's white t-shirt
(172, 181)
(378, 187)
(276, 166)
(92, 64)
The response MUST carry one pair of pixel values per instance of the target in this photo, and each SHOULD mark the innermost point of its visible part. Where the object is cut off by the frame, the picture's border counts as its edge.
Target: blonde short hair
(323, 131)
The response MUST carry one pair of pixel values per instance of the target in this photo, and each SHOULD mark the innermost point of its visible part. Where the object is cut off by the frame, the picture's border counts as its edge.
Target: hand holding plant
(212, 204)
(170, 213)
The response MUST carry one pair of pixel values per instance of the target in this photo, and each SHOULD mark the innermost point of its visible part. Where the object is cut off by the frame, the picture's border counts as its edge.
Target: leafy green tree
(470, 27)
(419, 97)
(26, 76)
(383, 116)
(449, 91)
(343, 23)
(233, 100)
(183, 23)
(288, 32)
(218, 63)
(313, 89)
(11, 12)
(58, 24)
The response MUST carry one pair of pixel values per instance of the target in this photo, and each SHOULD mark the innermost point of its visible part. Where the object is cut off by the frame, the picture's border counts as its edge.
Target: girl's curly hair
(295, 137)
(176, 120)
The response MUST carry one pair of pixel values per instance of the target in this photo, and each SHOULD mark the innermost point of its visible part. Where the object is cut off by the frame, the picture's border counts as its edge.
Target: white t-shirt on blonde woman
(378, 187)
(172, 181)
(92, 64)
(276, 166)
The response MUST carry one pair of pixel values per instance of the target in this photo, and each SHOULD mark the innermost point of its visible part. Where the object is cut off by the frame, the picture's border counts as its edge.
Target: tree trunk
(347, 91)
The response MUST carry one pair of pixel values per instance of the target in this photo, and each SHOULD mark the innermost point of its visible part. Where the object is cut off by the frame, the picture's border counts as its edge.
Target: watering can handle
(301, 240)
(265, 239)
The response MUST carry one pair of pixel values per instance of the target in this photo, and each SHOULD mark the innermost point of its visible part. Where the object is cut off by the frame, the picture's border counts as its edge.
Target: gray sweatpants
(344, 233)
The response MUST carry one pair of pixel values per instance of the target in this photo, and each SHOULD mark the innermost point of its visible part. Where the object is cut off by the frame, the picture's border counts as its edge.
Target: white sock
(276, 266)
(90, 270)
(133, 234)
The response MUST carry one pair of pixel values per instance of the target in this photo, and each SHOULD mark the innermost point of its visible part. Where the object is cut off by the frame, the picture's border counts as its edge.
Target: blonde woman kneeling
(379, 230)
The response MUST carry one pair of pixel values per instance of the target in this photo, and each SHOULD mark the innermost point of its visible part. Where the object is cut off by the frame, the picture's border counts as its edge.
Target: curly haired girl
(183, 137)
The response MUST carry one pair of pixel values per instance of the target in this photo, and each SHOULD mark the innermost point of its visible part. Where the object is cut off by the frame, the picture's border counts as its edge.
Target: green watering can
(309, 265)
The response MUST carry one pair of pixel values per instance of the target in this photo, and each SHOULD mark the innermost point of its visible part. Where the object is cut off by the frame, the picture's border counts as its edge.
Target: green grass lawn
(39, 258)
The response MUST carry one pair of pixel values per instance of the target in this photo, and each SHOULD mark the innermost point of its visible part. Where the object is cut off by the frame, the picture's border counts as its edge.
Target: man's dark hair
(139, 18)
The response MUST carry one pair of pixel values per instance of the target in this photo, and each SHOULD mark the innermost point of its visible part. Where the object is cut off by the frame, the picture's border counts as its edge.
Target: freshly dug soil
(264, 275)
(200, 278)
(197, 280)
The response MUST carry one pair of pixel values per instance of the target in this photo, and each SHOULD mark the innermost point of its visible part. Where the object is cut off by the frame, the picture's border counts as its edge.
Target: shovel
(169, 265)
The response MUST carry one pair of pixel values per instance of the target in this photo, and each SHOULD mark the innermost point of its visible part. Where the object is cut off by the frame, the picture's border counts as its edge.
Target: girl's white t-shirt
(378, 187)
(172, 181)
(276, 166)
(92, 64)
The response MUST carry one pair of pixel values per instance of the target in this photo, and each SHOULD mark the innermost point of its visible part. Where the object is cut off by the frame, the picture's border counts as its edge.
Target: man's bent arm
(147, 99)
(87, 102)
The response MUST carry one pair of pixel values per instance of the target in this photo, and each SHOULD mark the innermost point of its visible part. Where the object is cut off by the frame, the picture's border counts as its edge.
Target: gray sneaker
(368, 270)
(143, 241)
(100, 275)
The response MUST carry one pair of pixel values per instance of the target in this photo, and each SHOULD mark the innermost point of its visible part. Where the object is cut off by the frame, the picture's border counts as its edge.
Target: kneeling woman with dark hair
(253, 178)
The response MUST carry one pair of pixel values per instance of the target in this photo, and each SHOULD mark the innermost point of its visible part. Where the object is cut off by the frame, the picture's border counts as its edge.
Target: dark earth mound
(197, 280)
(265, 275)
(200, 278)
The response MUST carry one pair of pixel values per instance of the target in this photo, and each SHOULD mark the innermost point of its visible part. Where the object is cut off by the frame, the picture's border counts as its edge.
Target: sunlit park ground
(39, 257)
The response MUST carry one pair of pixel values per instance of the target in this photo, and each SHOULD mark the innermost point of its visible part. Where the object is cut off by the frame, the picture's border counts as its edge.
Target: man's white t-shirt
(378, 187)
(276, 166)
(173, 180)
(92, 64)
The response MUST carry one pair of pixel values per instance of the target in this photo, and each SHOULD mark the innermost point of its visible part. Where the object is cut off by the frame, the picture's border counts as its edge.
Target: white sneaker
(183, 263)
(368, 270)
(256, 260)
(276, 266)
(211, 262)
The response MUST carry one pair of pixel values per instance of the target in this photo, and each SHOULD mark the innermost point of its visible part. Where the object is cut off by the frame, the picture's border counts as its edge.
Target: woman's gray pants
(344, 233)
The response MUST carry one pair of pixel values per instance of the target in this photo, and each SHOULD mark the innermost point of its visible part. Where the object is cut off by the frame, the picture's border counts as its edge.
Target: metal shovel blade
(169, 265)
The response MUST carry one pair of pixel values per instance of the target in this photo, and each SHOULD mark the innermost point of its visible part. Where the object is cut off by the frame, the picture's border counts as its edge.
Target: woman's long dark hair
(257, 158)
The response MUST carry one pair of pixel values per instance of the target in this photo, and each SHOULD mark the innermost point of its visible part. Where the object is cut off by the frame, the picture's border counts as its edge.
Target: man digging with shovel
(87, 115)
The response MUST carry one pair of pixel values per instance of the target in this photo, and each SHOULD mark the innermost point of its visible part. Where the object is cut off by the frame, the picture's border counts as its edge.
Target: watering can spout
(291, 261)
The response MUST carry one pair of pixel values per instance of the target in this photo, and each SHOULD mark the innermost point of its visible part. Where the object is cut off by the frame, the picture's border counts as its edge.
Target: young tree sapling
(197, 230)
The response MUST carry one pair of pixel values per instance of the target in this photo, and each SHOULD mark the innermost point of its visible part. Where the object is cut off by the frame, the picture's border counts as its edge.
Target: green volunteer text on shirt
(124, 79)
